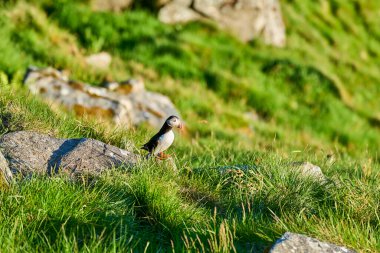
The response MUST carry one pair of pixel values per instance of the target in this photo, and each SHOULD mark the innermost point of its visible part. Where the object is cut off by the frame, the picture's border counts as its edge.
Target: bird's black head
(174, 121)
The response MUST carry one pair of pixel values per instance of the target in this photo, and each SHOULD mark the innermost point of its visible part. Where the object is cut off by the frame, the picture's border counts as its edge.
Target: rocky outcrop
(33, 153)
(291, 242)
(248, 19)
(126, 103)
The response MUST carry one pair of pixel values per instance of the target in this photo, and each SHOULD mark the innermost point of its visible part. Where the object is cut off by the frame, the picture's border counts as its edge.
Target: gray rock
(28, 152)
(126, 103)
(169, 163)
(298, 243)
(178, 12)
(88, 156)
(126, 87)
(111, 5)
(5, 173)
(247, 19)
(309, 170)
(252, 116)
(160, 3)
(101, 60)
(34, 153)
(239, 168)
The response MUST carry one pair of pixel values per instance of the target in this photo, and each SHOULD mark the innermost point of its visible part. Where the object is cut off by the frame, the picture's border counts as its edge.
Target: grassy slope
(126, 210)
(298, 93)
(292, 87)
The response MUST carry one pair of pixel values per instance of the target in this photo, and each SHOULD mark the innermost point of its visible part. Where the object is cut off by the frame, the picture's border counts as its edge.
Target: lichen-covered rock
(126, 103)
(297, 243)
(248, 19)
(34, 153)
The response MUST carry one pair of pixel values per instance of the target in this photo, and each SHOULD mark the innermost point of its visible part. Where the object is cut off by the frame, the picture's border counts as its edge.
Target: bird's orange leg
(163, 156)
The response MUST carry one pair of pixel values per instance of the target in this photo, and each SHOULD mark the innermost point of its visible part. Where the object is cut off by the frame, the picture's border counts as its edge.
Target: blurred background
(267, 75)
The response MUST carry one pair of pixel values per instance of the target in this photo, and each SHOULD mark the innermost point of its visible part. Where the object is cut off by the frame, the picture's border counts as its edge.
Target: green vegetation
(317, 96)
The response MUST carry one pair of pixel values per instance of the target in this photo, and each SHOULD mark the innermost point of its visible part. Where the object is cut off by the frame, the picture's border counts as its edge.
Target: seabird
(162, 140)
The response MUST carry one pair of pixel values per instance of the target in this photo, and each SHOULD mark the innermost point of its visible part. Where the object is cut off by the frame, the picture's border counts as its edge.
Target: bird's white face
(174, 122)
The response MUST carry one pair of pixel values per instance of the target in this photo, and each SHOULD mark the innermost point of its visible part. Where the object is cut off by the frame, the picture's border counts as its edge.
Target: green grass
(234, 189)
(209, 204)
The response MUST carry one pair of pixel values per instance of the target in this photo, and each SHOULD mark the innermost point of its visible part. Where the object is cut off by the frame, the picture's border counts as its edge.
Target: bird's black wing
(151, 144)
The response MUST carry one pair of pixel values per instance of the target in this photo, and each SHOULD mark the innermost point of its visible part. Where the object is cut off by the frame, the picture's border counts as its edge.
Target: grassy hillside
(316, 97)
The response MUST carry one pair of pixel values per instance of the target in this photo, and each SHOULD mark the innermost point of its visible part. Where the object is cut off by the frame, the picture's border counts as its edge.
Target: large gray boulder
(127, 103)
(34, 153)
(247, 19)
(297, 243)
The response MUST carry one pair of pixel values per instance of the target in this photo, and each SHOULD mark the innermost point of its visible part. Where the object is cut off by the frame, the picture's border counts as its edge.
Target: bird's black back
(153, 142)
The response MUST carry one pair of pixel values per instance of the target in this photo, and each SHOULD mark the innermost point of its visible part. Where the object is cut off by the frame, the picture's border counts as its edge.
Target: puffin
(162, 140)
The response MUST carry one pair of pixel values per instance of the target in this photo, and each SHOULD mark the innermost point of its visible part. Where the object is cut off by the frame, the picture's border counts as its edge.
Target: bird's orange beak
(181, 128)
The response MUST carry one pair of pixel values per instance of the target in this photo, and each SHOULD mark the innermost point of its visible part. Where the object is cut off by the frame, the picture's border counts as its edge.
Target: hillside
(245, 106)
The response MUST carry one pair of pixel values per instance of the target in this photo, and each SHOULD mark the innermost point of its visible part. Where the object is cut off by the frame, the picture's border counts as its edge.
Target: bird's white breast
(164, 142)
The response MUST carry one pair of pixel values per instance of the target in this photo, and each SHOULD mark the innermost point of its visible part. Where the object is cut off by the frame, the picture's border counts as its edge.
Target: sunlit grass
(221, 199)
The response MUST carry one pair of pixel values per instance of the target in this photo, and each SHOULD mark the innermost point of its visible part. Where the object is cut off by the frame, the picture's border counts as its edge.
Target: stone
(89, 156)
(178, 12)
(111, 5)
(309, 170)
(235, 169)
(101, 60)
(160, 3)
(6, 176)
(127, 103)
(291, 242)
(169, 163)
(247, 19)
(28, 152)
(126, 87)
(252, 116)
(34, 153)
